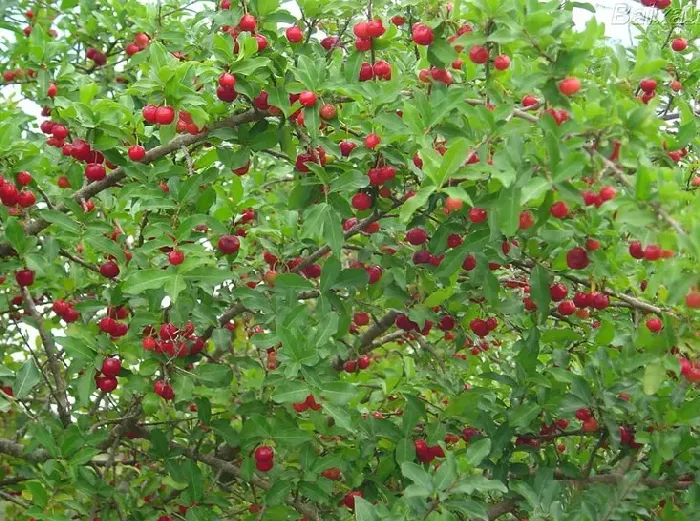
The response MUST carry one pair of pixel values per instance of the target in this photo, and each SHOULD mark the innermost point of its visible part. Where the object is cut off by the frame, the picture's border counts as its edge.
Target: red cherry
(577, 258)
(361, 201)
(558, 292)
(636, 250)
(107, 384)
(328, 112)
(569, 86)
(136, 153)
(478, 54)
(654, 325)
(398, 20)
(559, 210)
(447, 323)
(261, 41)
(141, 40)
(229, 244)
(294, 34)
(583, 414)
(372, 141)
(176, 257)
(382, 70)
(95, 172)
(653, 252)
(52, 91)
(111, 366)
(374, 273)
(599, 300)
(416, 236)
(589, 426)
(59, 131)
(227, 80)
(164, 115)
(26, 198)
(307, 98)
(692, 299)
(346, 147)
(422, 34)
(607, 193)
(469, 263)
(264, 453)
(332, 473)
(477, 215)
(149, 113)
(501, 62)
(566, 308)
(364, 362)
(529, 101)
(648, 85)
(109, 269)
(679, 44)
(248, 23)
(525, 220)
(24, 277)
(366, 72)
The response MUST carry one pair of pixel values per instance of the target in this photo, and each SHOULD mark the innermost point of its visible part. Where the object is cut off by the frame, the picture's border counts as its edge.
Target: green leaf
(405, 450)
(522, 415)
(413, 411)
(352, 278)
(477, 451)
(417, 201)
(278, 492)
(15, 234)
(26, 379)
(540, 280)
(61, 220)
(214, 375)
(291, 391)
(364, 510)
(338, 392)
(508, 210)
(143, 280)
(654, 375)
(418, 475)
(292, 281)
(195, 486)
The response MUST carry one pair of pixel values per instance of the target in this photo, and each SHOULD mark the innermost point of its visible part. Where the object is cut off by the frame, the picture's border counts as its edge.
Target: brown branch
(323, 250)
(78, 260)
(377, 329)
(16, 450)
(501, 508)
(622, 178)
(13, 499)
(119, 174)
(614, 479)
(54, 366)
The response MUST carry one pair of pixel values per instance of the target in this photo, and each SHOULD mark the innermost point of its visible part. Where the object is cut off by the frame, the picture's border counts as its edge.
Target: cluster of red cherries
(308, 403)
(106, 377)
(264, 458)
(11, 196)
(427, 453)
(173, 341)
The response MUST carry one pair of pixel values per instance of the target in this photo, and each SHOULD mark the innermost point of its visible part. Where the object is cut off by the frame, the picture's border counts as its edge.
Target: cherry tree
(381, 261)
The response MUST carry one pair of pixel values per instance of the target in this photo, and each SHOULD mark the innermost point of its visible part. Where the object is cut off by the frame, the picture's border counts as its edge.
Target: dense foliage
(393, 261)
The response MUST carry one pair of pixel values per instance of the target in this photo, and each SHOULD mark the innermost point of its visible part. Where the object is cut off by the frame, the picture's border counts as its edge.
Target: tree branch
(377, 329)
(54, 365)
